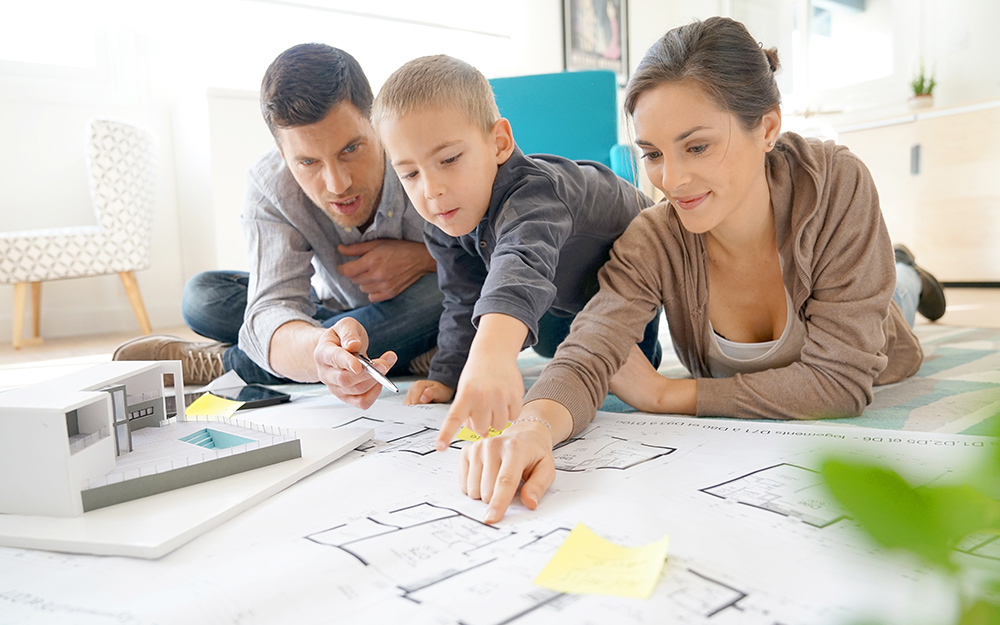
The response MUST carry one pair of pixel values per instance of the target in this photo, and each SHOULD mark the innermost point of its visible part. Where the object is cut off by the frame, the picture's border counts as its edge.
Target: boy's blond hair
(437, 81)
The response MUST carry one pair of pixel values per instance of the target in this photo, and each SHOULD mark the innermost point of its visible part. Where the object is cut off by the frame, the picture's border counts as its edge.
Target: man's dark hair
(306, 81)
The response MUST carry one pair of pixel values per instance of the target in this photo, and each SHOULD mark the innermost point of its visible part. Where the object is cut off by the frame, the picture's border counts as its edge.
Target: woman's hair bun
(772, 58)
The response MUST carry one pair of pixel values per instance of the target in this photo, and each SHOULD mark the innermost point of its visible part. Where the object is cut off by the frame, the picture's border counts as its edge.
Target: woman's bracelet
(539, 420)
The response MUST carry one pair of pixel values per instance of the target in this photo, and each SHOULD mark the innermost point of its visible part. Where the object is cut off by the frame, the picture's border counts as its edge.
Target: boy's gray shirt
(548, 230)
(292, 246)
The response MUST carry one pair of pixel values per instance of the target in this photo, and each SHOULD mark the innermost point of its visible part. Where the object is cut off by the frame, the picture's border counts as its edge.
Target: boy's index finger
(449, 428)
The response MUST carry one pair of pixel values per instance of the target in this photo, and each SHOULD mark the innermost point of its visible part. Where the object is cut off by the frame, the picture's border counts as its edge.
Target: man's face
(339, 163)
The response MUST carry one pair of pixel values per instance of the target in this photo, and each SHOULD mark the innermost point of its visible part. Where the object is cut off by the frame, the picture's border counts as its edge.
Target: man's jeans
(214, 302)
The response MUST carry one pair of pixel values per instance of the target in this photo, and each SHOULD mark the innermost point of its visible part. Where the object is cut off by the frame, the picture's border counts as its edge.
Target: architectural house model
(101, 436)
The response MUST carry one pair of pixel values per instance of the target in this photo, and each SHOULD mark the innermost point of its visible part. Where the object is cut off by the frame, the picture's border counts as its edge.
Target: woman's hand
(639, 385)
(492, 468)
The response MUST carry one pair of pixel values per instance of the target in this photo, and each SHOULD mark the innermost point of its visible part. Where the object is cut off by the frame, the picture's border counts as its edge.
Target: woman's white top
(727, 358)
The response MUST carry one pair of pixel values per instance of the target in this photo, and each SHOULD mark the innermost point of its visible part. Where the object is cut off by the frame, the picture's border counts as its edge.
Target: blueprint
(605, 452)
(384, 535)
(785, 489)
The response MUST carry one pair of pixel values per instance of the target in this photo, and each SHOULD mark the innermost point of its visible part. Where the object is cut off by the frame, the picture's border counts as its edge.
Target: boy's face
(446, 164)
(339, 163)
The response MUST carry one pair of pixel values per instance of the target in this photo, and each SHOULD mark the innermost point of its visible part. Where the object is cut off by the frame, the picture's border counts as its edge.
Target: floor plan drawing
(425, 538)
(386, 535)
(385, 431)
(439, 555)
(420, 443)
(483, 574)
(703, 595)
(605, 452)
(683, 594)
(393, 435)
(786, 489)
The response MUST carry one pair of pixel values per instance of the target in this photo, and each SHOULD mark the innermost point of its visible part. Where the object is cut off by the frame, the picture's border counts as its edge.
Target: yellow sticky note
(587, 564)
(465, 434)
(209, 405)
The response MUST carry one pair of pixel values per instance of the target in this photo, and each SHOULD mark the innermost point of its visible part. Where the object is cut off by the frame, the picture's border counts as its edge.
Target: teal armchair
(570, 114)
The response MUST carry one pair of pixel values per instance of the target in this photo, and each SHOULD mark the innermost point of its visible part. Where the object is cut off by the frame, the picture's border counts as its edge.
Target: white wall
(43, 180)
(189, 70)
(959, 38)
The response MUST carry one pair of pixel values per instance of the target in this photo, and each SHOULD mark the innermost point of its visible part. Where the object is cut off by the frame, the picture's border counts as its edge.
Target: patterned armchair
(121, 164)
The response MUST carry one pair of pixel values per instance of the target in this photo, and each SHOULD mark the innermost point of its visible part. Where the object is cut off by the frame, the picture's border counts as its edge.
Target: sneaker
(200, 362)
(932, 303)
(421, 365)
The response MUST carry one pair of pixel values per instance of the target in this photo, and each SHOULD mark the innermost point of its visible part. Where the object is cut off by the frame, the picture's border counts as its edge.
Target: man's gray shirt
(292, 246)
(548, 230)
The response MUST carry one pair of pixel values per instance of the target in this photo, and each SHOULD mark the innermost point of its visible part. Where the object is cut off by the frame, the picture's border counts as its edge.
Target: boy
(518, 240)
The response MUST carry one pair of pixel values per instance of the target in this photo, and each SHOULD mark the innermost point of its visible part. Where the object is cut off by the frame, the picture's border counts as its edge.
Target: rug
(956, 390)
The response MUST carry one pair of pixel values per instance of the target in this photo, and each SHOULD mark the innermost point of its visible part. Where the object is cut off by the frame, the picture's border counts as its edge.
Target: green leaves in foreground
(927, 521)
(983, 611)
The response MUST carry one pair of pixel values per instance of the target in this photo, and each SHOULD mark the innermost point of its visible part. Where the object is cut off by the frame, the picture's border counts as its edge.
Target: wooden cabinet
(938, 177)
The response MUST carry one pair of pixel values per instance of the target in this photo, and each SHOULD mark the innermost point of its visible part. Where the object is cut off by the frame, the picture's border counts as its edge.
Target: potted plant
(923, 88)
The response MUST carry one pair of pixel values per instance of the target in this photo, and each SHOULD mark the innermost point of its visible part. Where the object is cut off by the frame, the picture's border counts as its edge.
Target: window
(850, 42)
(835, 54)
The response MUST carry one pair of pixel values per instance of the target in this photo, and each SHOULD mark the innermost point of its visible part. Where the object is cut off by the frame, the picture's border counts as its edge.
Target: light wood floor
(60, 356)
(54, 357)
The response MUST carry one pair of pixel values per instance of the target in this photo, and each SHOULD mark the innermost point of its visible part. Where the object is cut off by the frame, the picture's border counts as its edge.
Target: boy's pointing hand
(488, 396)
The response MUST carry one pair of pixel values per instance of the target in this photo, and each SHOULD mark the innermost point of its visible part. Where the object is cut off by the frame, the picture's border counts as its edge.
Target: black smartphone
(253, 395)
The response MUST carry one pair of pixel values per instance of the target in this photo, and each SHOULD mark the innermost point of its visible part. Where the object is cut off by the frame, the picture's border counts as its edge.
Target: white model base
(154, 526)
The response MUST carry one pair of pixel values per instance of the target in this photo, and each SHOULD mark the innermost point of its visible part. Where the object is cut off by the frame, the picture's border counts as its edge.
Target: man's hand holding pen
(339, 367)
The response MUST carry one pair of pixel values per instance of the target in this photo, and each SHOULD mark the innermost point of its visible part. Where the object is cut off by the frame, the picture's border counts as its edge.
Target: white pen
(375, 373)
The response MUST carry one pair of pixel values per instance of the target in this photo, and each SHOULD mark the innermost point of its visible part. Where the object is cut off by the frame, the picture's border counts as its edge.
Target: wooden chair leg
(36, 306)
(132, 290)
(20, 299)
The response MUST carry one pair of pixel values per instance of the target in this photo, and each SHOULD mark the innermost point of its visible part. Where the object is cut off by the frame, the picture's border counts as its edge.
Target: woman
(769, 256)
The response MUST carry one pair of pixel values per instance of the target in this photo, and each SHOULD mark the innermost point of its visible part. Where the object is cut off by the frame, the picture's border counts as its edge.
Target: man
(329, 236)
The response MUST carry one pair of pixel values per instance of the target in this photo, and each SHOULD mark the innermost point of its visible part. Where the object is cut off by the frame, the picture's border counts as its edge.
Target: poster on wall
(595, 33)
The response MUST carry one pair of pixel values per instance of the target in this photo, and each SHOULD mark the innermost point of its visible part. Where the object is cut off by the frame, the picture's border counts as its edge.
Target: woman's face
(709, 168)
